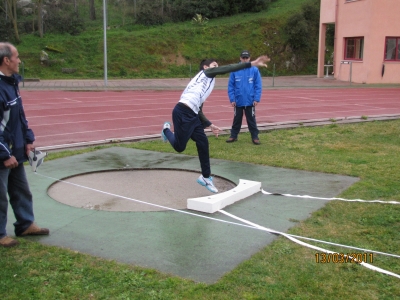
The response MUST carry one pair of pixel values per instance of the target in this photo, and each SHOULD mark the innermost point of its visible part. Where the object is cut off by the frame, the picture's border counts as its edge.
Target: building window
(392, 48)
(354, 48)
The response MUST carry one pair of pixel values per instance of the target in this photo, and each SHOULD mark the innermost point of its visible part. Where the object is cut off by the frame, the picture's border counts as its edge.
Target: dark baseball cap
(245, 53)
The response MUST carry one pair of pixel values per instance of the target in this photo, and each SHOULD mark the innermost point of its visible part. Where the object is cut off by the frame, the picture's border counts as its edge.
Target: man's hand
(215, 129)
(233, 104)
(261, 61)
(11, 163)
(29, 148)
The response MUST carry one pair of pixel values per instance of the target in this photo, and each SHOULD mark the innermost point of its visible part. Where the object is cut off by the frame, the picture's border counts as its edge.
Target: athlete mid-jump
(188, 119)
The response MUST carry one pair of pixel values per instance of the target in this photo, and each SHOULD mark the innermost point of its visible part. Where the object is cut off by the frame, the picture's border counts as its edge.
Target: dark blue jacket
(244, 87)
(14, 131)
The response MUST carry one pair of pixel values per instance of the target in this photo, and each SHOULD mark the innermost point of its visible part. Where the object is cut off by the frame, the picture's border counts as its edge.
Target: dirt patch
(177, 59)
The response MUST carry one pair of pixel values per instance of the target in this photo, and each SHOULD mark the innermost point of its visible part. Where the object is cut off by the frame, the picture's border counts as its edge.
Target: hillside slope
(170, 50)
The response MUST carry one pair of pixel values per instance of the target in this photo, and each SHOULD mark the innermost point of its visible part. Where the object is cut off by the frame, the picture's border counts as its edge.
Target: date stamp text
(340, 258)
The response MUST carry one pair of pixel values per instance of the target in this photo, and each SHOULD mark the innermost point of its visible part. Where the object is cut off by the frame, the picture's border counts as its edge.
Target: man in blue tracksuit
(16, 141)
(244, 91)
(188, 119)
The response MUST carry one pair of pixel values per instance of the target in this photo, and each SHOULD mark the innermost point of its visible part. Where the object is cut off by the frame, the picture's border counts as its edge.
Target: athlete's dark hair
(206, 62)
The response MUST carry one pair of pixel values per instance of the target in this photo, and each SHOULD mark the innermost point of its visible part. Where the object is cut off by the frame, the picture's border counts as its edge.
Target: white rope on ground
(344, 246)
(328, 199)
(251, 225)
(369, 266)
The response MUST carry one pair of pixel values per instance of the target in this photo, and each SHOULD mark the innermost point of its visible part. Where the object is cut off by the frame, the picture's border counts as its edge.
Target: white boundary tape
(247, 224)
(328, 199)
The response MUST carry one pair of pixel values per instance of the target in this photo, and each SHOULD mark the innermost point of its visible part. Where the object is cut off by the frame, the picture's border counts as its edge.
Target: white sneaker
(163, 136)
(208, 183)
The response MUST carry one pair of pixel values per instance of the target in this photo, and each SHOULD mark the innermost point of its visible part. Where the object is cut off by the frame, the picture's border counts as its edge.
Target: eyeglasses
(244, 57)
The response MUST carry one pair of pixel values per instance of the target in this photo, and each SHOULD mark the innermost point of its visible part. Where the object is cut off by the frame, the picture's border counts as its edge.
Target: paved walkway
(176, 83)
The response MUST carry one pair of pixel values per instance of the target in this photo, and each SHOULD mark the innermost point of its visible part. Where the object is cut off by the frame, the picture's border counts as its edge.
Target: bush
(69, 23)
(249, 5)
(150, 13)
(297, 32)
(302, 33)
(6, 31)
(183, 10)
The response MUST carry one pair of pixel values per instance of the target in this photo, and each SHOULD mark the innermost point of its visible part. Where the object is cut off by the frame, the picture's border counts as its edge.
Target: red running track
(68, 117)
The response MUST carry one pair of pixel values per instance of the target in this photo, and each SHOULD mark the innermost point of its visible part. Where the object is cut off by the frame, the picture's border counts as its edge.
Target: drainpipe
(335, 42)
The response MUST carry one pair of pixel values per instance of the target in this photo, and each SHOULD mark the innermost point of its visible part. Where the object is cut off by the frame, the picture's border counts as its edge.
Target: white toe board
(213, 203)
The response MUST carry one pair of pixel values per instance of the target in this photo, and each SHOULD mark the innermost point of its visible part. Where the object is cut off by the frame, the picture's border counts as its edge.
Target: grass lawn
(282, 270)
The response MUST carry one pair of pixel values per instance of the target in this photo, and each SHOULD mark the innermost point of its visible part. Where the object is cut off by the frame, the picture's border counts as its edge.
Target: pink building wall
(372, 19)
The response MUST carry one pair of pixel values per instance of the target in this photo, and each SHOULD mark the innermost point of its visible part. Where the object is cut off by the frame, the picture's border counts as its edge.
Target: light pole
(105, 41)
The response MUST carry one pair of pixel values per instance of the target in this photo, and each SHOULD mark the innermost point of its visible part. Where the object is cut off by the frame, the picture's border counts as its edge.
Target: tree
(92, 10)
(10, 8)
(39, 4)
(297, 31)
(125, 9)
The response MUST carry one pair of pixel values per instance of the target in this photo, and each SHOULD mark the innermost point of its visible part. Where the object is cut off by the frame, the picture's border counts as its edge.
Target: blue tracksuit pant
(14, 188)
(187, 125)
(250, 112)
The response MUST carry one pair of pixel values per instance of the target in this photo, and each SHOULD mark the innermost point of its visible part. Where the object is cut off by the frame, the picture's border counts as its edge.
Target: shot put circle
(117, 190)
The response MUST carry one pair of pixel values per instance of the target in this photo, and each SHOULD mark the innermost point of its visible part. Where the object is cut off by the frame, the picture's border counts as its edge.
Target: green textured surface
(186, 245)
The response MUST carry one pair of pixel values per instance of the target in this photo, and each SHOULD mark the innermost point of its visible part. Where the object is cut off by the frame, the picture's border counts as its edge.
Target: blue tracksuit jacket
(244, 87)
(14, 130)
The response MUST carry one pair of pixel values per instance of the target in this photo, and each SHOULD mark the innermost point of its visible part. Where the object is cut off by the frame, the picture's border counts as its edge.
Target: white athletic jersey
(197, 91)
(201, 86)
